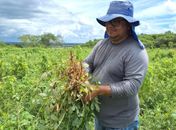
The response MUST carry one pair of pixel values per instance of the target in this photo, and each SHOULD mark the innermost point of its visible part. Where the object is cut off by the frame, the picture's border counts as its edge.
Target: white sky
(75, 20)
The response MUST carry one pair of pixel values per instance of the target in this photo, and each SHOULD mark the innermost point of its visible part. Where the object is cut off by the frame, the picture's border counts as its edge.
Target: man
(119, 62)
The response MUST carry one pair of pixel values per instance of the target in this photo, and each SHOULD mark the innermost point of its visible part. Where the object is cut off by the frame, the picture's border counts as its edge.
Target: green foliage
(29, 40)
(25, 89)
(158, 92)
(44, 40)
(166, 40)
(49, 39)
(27, 100)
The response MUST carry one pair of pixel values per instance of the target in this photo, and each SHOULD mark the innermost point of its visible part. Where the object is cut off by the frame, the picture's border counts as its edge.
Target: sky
(75, 20)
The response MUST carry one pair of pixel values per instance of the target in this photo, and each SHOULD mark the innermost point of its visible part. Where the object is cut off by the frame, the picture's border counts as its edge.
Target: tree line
(43, 40)
(164, 40)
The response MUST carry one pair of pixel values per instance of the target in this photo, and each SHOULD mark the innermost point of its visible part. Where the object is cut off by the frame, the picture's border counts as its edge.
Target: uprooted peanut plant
(69, 105)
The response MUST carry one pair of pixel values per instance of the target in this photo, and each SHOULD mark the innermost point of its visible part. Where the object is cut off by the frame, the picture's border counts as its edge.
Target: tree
(49, 39)
(30, 40)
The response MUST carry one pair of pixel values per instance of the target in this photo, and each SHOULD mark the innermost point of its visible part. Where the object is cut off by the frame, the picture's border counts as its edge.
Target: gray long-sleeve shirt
(123, 67)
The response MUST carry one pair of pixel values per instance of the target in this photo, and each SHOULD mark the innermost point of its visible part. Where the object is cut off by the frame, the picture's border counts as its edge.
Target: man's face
(117, 27)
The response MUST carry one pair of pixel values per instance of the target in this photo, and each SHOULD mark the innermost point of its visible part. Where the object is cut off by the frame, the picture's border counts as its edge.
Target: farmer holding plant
(119, 62)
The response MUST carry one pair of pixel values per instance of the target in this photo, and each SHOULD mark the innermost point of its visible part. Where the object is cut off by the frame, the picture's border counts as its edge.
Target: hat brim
(109, 17)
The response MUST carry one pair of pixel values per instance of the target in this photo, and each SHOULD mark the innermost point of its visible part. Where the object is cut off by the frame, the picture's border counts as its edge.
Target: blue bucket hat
(122, 9)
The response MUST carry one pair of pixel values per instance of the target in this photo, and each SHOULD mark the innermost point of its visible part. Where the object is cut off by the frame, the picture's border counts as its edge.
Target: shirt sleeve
(90, 58)
(135, 68)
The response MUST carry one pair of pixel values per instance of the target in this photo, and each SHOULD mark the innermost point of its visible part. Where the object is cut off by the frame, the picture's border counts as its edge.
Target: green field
(27, 73)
